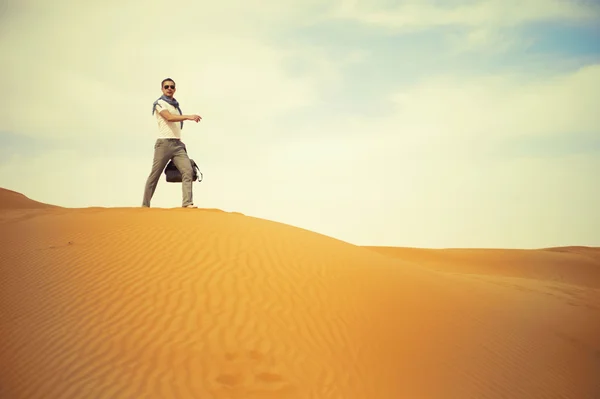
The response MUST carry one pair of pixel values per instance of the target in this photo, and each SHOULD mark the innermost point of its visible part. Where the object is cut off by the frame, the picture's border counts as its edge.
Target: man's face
(168, 88)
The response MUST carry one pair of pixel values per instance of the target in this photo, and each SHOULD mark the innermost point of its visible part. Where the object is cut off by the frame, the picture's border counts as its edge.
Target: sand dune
(13, 200)
(579, 266)
(179, 303)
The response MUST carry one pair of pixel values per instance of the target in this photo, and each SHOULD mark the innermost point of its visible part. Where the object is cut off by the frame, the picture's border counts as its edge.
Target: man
(169, 146)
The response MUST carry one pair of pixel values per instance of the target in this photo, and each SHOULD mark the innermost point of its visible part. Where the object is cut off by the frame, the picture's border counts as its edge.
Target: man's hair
(166, 80)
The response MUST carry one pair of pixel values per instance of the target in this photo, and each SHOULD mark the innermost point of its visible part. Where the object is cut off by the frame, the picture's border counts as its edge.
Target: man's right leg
(183, 164)
(162, 155)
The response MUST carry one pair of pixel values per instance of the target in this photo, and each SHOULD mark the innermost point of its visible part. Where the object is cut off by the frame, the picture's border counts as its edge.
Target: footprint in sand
(250, 373)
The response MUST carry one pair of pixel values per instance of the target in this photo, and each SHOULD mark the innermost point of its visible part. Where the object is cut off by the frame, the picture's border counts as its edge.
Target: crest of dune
(13, 200)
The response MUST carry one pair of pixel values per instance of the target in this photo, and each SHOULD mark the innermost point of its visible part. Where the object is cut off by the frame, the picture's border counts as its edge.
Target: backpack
(173, 175)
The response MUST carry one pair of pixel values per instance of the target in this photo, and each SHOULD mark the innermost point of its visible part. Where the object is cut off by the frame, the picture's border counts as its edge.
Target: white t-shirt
(167, 130)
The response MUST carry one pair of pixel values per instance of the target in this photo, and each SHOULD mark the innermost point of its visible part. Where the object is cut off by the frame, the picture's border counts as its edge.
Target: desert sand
(197, 303)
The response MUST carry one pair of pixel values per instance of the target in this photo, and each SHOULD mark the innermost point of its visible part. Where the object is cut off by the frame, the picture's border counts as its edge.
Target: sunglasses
(170, 86)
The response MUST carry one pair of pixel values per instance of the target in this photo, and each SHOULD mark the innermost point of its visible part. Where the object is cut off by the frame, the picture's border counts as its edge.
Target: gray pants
(164, 151)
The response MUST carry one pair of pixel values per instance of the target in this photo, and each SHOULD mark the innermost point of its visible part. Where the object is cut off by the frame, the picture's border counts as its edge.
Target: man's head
(168, 87)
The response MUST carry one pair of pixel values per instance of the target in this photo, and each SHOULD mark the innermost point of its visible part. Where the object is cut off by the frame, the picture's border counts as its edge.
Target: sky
(463, 123)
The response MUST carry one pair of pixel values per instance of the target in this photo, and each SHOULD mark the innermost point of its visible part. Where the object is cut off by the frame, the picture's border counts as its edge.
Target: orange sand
(192, 303)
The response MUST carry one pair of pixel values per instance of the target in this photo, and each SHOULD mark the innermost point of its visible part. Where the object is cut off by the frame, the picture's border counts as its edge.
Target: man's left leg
(183, 163)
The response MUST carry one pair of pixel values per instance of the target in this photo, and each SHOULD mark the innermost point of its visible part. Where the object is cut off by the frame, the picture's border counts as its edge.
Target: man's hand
(195, 118)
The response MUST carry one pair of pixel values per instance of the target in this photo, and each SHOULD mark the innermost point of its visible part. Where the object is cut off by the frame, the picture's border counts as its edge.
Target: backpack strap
(197, 170)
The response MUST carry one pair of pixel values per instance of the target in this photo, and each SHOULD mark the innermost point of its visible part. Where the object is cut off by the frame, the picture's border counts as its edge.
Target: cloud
(416, 14)
(459, 113)
(490, 26)
(500, 106)
(488, 40)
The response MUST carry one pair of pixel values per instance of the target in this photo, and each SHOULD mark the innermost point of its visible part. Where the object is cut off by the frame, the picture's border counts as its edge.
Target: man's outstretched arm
(178, 118)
